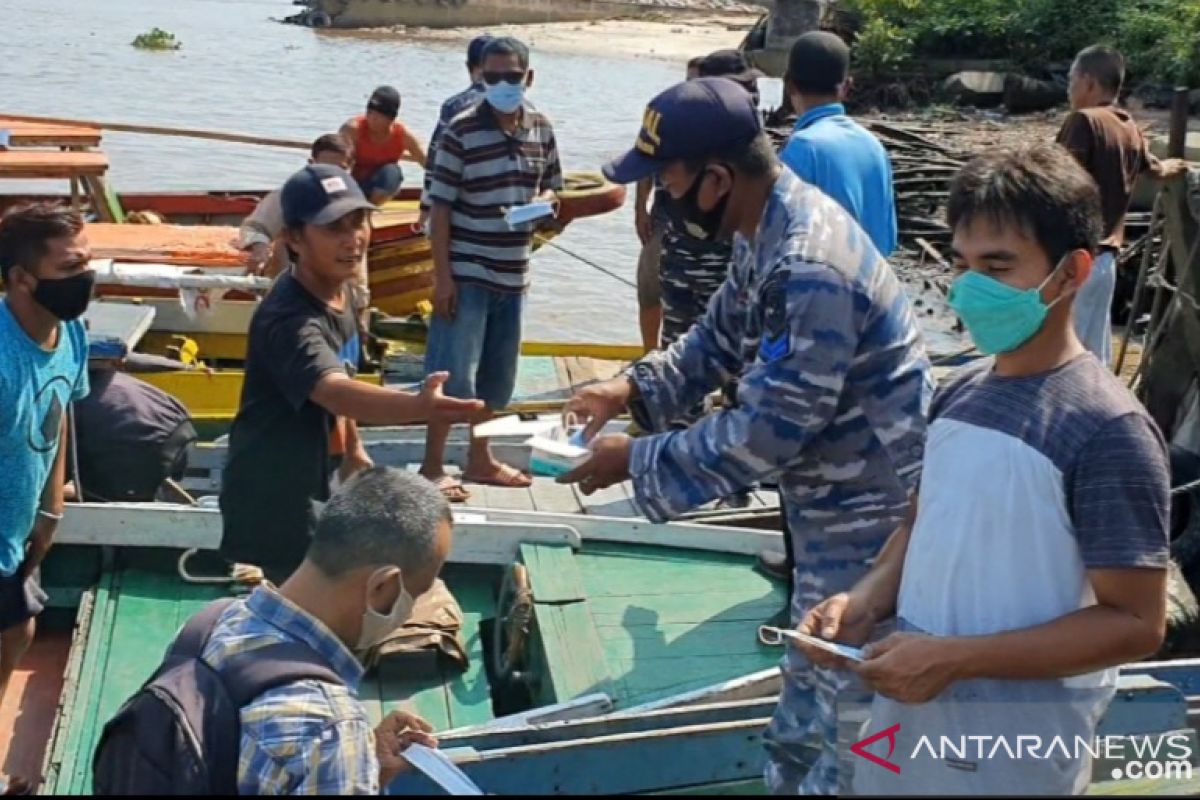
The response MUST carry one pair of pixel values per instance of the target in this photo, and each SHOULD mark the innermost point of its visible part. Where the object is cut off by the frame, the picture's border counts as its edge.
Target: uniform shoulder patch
(776, 343)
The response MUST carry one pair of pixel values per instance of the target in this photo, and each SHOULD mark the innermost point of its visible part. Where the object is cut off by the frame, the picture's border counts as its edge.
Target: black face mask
(697, 222)
(66, 298)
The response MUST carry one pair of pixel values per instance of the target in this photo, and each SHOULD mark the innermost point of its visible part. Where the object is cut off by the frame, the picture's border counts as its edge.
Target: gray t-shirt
(1027, 484)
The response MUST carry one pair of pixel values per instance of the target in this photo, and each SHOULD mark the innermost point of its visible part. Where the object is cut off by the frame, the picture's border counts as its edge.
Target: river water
(239, 70)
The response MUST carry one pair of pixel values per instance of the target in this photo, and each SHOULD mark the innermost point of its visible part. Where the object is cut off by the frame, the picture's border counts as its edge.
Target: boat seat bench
(32, 164)
(29, 134)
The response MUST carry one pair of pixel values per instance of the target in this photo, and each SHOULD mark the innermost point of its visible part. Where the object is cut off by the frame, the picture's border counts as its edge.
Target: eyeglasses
(513, 77)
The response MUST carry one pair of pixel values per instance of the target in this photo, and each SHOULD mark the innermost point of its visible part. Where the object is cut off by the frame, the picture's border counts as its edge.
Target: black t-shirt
(279, 443)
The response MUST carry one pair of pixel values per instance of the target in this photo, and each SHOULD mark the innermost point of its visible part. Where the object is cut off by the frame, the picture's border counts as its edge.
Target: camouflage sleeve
(673, 381)
(785, 398)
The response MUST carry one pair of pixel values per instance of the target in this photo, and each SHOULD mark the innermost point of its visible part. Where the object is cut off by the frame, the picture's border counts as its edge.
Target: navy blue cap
(320, 194)
(475, 49)
(691, 120)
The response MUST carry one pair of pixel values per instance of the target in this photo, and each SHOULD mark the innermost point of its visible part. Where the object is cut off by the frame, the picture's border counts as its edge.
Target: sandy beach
(676, 39)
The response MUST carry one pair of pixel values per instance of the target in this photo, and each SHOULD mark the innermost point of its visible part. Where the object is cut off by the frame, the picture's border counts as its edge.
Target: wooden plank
(183, 527)
(655, 679)
(756, 686)
(140, 525)
(573, 658)
(79, 714)
(553, 573)
(468, 695)
(426, 697)
(33, 164)
(586, 707)
(609, 725)
(725, 606)
(511, 499)
(624, 764)
(24, 134)
(638, 643)
(537, 380)
(554, 497)
(688, 536)
(613, 501)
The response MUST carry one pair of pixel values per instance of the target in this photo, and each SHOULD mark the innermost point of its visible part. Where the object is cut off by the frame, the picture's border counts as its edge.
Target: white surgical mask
(375, 626)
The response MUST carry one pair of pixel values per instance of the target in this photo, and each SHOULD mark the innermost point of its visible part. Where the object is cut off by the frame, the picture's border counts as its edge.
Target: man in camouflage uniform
(832, 396)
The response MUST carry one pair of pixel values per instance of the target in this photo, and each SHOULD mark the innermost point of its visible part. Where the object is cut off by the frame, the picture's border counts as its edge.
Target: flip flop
(12, 785)
(452, 489)
(509, 477)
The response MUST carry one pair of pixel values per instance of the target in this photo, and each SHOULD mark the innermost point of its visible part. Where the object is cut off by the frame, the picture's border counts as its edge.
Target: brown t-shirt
(1110, 146)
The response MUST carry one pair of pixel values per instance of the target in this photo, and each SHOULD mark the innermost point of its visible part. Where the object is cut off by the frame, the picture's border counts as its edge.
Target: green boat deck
(640, 623)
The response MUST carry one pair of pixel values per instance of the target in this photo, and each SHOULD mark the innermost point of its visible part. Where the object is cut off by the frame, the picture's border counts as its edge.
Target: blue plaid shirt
(307, 737)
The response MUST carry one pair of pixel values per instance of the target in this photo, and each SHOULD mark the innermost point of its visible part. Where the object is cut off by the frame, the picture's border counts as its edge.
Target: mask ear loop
(1070, 291)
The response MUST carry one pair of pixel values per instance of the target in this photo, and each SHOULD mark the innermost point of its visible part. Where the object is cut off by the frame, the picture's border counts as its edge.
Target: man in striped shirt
(499, 154)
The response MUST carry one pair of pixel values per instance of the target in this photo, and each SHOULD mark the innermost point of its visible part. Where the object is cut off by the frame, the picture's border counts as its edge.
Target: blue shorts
(480, 346)
(385, 179)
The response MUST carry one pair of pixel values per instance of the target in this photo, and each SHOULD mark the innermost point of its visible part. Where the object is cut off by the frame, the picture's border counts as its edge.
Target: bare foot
(451, 488)
(497, 474)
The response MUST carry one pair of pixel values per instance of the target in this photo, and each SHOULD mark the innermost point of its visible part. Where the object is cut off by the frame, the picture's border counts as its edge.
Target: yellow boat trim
(211, 396)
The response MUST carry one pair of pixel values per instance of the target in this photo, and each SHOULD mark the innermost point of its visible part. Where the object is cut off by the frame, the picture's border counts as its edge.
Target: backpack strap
(195, 632)
(248, 675)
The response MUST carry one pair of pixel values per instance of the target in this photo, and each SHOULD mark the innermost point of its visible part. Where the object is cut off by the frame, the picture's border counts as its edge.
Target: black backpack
(181, 732)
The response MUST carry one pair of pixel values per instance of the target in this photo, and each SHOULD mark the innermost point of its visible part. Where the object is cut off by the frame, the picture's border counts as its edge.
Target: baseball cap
(320, 194)
(819, 62)
(475, 49)
(730, 64)
(385, 100)
(688, 121)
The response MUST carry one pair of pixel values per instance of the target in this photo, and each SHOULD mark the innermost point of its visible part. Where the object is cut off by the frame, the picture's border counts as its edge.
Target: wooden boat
(641, 672)
(200, 232)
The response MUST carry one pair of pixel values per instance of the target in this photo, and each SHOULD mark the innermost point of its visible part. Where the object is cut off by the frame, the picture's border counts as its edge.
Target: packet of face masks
(531, 212)
(559, 450)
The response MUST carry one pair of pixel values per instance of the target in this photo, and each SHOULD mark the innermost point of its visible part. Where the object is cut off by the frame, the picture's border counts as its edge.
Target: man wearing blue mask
(1035, 561)
(499, 154)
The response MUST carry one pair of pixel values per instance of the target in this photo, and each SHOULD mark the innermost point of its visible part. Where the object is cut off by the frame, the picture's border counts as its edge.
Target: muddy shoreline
(667, 37)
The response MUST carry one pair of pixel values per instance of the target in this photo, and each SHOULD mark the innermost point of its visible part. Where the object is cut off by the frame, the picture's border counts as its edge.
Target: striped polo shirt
(479, 171)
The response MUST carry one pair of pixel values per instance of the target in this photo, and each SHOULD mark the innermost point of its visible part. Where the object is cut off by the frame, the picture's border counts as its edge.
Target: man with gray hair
(379, 543)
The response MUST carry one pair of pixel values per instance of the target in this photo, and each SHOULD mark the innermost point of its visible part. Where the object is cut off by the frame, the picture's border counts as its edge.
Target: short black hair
(1040, 188)
(382, 516)
(753, 159)
(694, 63)
(26, 230)
(507, 46)
(331, 143)
(1104, 65)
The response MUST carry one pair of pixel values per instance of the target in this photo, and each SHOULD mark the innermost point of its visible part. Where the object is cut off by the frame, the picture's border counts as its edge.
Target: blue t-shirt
(35, 387)
(845, 161)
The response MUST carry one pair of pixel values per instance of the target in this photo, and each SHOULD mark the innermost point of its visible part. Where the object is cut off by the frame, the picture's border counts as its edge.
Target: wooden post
(1177, 139)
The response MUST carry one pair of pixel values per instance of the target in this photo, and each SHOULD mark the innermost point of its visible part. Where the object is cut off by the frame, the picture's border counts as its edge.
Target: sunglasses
(514, 77)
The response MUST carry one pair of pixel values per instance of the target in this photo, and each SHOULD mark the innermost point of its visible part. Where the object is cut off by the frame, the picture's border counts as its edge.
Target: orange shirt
(370, 155)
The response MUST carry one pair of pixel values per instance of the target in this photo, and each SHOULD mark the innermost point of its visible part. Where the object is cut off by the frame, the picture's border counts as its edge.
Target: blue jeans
(385, 179)
(480, 346)
(1093, 307)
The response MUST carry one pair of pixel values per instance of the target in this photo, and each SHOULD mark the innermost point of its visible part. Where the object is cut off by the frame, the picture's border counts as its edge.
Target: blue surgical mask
(999, 317)
(505, 97)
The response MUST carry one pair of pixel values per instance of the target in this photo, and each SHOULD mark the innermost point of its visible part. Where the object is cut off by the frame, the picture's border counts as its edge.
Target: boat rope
(1185, 488)
(589, 262)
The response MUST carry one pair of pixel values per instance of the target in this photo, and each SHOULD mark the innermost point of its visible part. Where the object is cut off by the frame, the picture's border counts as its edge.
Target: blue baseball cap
(690, 120)
(320, 194)
(475, 49)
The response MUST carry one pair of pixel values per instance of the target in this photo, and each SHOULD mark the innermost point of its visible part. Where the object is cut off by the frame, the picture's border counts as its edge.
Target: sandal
(507, 476)
(451, 489)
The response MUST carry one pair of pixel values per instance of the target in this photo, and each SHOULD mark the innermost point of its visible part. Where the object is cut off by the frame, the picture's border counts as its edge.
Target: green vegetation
(1160, 38)
(157, 39)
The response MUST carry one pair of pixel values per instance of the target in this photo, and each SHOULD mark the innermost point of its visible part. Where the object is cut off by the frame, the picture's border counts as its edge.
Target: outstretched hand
(440, 408)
